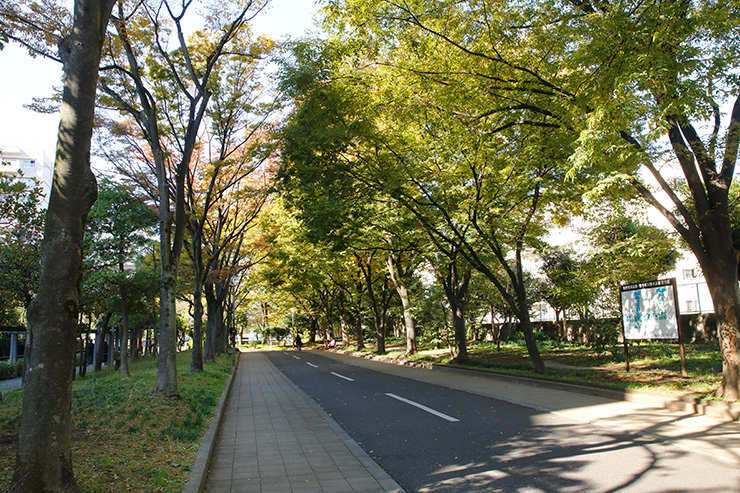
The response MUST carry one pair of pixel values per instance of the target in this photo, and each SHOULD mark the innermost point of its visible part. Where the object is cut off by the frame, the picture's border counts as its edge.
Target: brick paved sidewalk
(274, 438)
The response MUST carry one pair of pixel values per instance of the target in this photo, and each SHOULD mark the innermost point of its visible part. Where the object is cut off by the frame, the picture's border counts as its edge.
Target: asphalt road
(433, 438)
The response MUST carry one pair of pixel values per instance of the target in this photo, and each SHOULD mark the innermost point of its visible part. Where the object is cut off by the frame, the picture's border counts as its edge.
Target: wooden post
(678, 328)
(624, 333)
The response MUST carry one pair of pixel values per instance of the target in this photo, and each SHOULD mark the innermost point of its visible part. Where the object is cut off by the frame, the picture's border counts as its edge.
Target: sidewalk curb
(729, 411)
(197, 480)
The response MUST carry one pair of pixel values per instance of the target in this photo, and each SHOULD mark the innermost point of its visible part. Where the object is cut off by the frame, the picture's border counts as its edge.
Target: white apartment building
(27, 164)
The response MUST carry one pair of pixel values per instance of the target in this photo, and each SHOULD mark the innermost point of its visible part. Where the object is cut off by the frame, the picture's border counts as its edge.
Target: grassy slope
(125, 438)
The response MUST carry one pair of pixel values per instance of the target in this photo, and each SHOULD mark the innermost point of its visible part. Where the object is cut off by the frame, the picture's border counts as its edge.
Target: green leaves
(627, 251)
(21, 232)
(119, 226)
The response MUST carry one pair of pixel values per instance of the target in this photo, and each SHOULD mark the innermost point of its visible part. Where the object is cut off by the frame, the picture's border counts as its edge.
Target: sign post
(650, 311)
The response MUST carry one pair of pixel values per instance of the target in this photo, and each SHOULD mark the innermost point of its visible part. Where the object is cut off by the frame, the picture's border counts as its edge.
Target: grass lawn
(124, 437)
(654, 366)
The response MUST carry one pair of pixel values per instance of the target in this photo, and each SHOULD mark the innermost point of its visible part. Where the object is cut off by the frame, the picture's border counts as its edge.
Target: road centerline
(423, 408)
(311, 364)
(342, 376)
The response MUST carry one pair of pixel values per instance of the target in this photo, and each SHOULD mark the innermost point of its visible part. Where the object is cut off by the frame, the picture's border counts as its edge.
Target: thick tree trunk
(216, 336)
(196, 357)
(358, 317)
(358, 331)
(403, 293)
(564, 336)
(721, 275)
(526, 325)
(378, 321)
(456, 289)
(534, 353)
(365, 266)
(124, 333)
(170, 247)
(385, 299)
(523, 315)
(44, 458)
(136, 343)
(343, 318)
(460, 331)
(220, 330)
(167, 367)
(209, 352)
(100, 334)
(314, 329)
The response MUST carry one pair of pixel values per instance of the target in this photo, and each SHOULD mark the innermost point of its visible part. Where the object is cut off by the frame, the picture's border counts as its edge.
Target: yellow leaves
(200, 45)
(22, 19)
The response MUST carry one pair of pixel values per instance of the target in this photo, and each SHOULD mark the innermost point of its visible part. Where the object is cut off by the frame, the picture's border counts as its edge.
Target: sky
(25, 78)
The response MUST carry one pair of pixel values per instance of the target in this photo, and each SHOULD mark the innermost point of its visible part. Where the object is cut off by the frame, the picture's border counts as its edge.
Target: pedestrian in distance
(298, 342)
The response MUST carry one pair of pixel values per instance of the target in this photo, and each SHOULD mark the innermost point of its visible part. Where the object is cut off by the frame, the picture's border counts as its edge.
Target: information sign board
(649, 310)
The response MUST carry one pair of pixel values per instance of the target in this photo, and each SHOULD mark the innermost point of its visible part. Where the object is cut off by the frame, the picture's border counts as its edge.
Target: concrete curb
(197, 480)
(729, 411)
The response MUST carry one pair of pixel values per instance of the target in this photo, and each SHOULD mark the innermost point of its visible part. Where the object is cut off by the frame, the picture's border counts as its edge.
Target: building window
(688, 274)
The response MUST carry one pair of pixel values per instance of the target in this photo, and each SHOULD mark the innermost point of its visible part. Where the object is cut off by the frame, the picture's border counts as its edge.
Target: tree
(236, 188)
(337, 207)
(625, 251)
(44, 458)
(21, 230)
(401, 263)
(119, 225)
(662, 93)
(567, 284)
(310, 274)
(232, 246)
(652, 87)
(478, 185)
(228, 155)
(167, 93)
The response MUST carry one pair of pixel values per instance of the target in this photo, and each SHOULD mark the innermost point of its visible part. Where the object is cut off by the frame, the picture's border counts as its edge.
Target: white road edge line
(342, 376)
(424, 408)
(311, 364)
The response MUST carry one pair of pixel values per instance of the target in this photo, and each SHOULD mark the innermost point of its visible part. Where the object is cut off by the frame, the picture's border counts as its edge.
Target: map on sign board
(649, 310)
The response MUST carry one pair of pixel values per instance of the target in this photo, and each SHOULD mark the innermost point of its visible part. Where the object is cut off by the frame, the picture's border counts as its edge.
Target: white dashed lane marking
(424, 408)
(342, 376)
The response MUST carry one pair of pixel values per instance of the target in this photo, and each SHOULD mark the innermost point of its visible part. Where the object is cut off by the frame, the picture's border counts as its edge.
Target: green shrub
(604, 337)
(432, 338)
(10, 370)
(539, 337)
